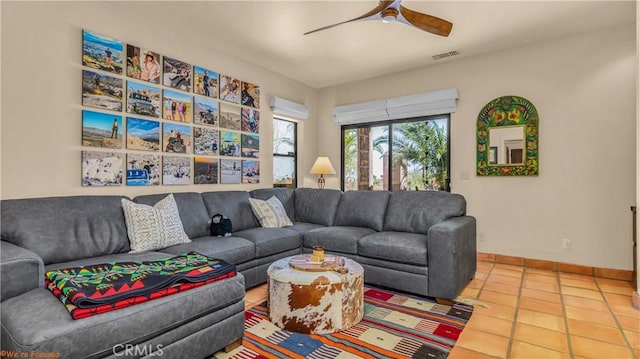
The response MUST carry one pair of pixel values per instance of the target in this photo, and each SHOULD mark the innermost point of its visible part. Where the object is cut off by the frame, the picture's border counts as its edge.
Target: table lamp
(321, 167)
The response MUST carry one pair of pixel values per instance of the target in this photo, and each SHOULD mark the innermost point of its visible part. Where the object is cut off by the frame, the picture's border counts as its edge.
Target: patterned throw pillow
(154, 227)
(270, 213)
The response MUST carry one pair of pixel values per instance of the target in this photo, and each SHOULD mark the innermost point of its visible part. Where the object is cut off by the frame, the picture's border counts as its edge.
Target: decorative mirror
(507, 138)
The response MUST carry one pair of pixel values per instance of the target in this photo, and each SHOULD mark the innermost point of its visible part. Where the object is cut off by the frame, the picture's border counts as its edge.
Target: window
(398, 155)
(284, 153)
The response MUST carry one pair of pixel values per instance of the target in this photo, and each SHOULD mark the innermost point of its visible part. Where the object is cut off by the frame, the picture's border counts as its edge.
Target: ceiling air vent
(446, 54)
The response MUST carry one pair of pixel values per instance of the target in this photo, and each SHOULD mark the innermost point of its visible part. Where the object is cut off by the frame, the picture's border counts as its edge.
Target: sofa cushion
(193, 213)
(270, 213)
(231, 249)
(395, 246)
(313, 205)
(60, 229)
(233, 204)
(38, 322)
(270, 241)
(336, 239)
(303, 227)
(153, 227)
(416, 211)
(362, 209)
(20, 270)
(285, 195)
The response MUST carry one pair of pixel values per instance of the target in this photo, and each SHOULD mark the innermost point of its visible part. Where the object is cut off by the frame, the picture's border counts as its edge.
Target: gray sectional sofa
(418, 242)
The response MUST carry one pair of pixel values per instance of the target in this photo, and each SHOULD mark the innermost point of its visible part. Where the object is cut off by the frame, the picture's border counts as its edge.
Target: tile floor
(536, 314)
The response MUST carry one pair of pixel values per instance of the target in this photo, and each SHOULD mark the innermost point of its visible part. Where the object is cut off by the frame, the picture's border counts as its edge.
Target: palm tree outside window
(399, 155)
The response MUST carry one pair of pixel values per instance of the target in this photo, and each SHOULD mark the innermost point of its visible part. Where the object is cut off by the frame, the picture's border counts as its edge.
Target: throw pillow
(270, 213)
(154, 227)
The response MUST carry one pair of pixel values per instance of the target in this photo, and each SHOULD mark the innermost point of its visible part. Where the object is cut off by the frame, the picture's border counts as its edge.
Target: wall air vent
(446, 54)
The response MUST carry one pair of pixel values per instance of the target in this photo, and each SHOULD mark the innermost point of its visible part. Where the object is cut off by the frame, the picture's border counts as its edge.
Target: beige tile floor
(536, 314)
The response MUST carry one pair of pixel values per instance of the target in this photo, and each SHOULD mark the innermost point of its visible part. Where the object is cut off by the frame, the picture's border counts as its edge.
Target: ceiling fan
(391, 10)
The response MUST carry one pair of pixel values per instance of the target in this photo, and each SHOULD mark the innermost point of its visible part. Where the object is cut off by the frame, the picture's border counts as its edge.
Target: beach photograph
(176, 106)
(205, 82)
(205, 170)
(100, 169)
(101, 91)
(143, 99)
(250, 95)
(205, 111)
(250, 172)
(230, 117)
(229, 144)
(177, 74)
(101, 129)
(250, 146)
(176, 170)
(205, 141)
(230, 171)
(229, 89)
(176, 138)
(250, 120)
(143, 134)
(143, 169)
(101, 52)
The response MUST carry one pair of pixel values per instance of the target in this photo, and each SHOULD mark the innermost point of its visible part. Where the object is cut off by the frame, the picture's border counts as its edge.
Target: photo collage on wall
(152, 120)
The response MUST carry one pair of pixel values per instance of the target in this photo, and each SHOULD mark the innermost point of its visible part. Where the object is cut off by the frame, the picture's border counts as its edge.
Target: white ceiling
(269, 33)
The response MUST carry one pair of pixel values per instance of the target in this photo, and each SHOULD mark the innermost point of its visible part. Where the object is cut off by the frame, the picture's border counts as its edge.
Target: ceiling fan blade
(381, 6)
(426, 22)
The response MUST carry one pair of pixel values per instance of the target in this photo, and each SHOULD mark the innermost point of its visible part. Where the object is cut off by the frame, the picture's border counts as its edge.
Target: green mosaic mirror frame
(508, 111)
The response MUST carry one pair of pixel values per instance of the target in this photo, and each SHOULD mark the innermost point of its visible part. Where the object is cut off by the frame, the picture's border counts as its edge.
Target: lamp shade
(322, 166)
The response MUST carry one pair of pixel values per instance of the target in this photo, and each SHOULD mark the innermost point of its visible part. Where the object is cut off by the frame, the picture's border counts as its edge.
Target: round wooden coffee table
(315, 302)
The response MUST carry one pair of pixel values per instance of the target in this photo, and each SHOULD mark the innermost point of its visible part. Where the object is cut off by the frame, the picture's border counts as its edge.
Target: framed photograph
(230, 117)
(101, 52)
(101, 129)
(176, 138)
(176, 106)
(205, 170)
(230, 171)
(205, 82)
(250, 95)
(250, 146)
(101, 91)
(250, 171)
(250, 120)
(205, 141)
(177, 74)
(176, 170)
(143, 64)
(143, 134)
(229, 89)
(143, 169)
(100, 169)
(493, 155)
(205, 111)
(229, 143)
(143, 99)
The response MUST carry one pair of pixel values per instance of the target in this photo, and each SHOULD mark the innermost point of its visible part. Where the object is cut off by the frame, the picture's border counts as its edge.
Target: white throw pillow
(154, 227)
(270, 213)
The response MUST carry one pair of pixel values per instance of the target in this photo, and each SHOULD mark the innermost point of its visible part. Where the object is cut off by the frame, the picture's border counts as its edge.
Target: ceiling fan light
(388, 19)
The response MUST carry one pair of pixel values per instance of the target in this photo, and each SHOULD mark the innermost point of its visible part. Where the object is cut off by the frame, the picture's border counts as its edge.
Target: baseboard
(626, 275)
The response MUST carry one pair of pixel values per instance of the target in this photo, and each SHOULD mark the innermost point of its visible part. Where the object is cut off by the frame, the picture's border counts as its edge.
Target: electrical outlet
(566, 244)
(481, 237)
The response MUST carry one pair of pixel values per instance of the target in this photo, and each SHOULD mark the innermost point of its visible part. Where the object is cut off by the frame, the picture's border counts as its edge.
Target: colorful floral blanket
(91, 290)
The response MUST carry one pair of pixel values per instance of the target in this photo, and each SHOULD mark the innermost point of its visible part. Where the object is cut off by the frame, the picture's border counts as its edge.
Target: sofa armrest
(20, 270)
(451, 252)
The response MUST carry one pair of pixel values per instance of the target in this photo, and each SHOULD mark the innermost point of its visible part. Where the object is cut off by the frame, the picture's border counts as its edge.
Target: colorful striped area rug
(394, 326)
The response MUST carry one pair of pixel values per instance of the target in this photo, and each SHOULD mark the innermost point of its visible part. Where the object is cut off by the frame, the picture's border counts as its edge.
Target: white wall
(41, 101)
(584, 88)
